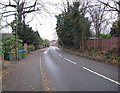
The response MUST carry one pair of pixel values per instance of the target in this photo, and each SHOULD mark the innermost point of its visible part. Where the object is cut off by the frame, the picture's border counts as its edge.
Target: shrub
(10, 43)
(105, 36)
(20, 47)
(31, 48)
(1, 49)
(118, 60)
(114, 49)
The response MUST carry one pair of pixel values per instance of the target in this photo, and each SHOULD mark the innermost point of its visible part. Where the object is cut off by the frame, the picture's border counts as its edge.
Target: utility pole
(16, 33)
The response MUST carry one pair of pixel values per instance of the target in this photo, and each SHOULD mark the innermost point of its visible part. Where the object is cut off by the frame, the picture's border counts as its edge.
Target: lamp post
(16, 33)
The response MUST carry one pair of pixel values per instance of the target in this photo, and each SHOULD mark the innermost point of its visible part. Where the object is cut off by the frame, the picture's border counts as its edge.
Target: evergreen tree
(115, 30)
(72, 26)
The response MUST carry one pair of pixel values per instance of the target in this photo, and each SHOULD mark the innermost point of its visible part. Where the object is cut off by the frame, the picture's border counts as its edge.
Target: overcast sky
(44, 23)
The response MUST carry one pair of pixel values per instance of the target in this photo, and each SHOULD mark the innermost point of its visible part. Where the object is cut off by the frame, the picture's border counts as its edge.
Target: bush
(20, 47)
(1, 49)
(114, 49)
(105, 36)
(118, 60)
(91, 50)
(31, 48)
(10, 43)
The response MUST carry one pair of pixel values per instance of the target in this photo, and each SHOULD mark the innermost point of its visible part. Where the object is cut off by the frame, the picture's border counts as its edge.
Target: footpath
(25, 74)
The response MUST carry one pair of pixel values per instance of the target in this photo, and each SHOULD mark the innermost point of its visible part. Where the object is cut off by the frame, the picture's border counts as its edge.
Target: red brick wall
(103, 44)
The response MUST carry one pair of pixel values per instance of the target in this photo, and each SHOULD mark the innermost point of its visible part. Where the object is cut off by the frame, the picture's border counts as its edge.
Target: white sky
(45, 24)
(47, 29)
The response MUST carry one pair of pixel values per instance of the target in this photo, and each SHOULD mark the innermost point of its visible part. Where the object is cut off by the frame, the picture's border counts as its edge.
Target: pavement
(67, 72)
(25, 74)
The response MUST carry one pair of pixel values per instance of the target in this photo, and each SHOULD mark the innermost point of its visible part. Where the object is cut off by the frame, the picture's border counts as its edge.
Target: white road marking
(40, 66)
(60, 55)
(101, 75)
(45, 52)
(70, 61)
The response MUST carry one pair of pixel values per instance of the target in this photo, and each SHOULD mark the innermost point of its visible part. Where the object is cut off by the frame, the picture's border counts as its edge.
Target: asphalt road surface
(57, 70)
(67, 72)
(25, 74)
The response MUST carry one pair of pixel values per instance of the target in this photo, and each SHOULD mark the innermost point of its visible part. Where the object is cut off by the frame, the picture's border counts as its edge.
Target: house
(53, 43)
(93, 37)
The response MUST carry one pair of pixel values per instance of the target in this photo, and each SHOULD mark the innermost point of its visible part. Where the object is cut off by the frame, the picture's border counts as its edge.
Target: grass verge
(107, 56)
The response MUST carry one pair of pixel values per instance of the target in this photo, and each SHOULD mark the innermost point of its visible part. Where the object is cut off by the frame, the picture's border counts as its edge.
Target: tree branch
(8, 15)
(7, 12)
(115, 9)
(8, 5)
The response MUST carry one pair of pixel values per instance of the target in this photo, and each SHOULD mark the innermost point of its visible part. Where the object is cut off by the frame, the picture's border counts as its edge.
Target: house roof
(93, 38)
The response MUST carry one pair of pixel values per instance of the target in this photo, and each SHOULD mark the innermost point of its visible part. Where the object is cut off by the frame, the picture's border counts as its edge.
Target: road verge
(107, 57)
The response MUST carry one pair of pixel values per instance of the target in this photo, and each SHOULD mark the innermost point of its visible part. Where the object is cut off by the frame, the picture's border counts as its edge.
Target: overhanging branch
(8, 12)
(114, 8)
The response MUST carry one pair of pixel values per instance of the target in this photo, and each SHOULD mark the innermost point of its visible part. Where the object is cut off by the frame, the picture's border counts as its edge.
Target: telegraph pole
(16, 33)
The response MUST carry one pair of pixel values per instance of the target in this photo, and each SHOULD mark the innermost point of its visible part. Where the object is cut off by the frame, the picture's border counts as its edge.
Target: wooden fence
(103, 44)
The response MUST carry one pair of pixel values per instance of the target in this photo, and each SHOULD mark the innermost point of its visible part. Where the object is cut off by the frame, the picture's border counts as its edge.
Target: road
(25, 74)
(58, 70)
(67, 72)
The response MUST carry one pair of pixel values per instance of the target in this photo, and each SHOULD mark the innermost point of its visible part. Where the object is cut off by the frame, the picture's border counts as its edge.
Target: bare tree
(21, 8)
(112, 5)
(115, 7)
(98, 17)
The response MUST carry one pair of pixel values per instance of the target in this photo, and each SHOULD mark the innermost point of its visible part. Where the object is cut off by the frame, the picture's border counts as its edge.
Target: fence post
(101, 44)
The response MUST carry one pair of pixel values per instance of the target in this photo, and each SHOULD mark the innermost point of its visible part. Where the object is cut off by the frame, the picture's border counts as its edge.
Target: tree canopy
(72, 26)
(27, 34)
(115, 30)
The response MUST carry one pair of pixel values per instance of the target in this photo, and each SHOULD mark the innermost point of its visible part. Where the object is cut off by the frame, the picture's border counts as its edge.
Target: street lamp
(16, 33)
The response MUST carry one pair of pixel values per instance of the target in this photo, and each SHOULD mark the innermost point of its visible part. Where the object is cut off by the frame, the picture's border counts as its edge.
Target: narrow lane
(67, 72)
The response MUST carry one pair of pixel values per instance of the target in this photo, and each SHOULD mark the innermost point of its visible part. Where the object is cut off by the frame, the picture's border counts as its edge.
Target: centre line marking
(70, 61)
(101, 75)
(60, 55)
